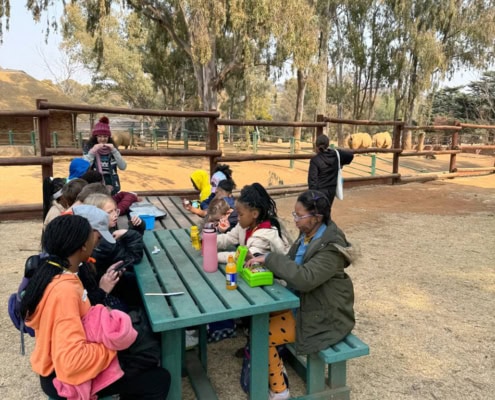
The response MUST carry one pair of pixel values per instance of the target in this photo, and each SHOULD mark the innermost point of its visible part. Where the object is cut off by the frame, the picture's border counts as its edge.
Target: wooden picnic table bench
(170, 265)
(311, 368)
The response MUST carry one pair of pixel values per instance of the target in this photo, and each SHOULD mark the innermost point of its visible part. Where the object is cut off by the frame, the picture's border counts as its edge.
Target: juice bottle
(231, 274)
(195, 238)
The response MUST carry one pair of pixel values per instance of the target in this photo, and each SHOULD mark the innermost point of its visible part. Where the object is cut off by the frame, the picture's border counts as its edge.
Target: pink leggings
(282, 330)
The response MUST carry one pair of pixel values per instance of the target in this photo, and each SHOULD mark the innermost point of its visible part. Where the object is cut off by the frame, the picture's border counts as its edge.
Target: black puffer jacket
(323, 169)
(129, 247)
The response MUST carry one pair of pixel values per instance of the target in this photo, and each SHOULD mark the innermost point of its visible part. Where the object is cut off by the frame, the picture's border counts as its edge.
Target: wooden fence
(215, 156)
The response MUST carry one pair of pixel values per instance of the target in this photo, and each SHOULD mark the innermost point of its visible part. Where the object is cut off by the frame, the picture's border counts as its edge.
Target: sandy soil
(424, 284)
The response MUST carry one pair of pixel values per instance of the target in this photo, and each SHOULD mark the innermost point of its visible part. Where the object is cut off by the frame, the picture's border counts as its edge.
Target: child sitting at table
(258, 227)
(221, 209)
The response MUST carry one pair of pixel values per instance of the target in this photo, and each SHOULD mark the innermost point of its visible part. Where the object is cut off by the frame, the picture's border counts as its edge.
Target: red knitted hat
(102, 128)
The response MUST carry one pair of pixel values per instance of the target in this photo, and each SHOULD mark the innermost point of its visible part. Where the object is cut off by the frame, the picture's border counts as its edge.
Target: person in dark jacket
(323, 168)
(315, 269)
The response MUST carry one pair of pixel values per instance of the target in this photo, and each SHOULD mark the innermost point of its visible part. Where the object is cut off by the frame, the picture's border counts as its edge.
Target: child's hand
(223, 224)
(110, 278)
(255, 260)
(136, 221)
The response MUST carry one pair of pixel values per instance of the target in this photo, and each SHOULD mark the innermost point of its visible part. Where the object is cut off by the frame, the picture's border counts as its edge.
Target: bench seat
(312, 368)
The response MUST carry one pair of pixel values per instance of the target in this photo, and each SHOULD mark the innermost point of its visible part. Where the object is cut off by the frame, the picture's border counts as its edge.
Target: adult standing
(315, 269)
(324, 168)
(103, 155)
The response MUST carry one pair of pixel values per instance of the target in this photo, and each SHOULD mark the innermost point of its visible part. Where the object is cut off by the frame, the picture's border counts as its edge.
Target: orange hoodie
(60, 338)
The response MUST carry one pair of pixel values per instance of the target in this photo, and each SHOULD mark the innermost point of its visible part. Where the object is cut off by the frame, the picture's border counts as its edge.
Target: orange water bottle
(231, 274)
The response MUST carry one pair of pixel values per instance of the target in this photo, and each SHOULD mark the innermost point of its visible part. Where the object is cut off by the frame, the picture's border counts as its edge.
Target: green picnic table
(171, 265)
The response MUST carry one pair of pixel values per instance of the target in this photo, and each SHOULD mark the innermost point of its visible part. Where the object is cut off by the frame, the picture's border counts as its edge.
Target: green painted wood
(351, 346)
(312, 368)
(315, 374)
(334, 394)
(167, 222)
(192, 219)
(178, 267)
(200, 382)
(337, 374)
(203, 346)
(258, 386)
(172, 349)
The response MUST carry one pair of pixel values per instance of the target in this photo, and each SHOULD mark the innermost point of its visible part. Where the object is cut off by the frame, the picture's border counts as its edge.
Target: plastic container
(257, 275)
(196, 244)
(209, 248)
(149, 221)
(240, 257)
(231, 274)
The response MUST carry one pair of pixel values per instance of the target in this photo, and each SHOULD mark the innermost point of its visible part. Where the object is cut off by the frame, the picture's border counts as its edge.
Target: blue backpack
(31, 265)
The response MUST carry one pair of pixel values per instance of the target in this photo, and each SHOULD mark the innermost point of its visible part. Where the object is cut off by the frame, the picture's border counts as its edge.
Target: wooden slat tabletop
(177, 267)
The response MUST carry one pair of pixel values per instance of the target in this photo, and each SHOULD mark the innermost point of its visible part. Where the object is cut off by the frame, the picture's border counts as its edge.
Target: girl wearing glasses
(315, 269)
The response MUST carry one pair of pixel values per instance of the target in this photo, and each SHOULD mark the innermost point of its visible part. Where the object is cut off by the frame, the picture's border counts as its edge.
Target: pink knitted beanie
(102, 127)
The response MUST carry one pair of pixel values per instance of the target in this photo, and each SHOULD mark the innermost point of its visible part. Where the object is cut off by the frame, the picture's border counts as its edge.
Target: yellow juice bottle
(231, 274)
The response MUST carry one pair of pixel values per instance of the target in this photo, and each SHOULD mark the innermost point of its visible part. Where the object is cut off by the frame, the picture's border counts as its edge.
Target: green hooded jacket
(326, 313)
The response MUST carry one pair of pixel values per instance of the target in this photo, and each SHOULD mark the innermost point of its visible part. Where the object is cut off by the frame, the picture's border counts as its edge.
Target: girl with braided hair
(55, 303)
(258, 227)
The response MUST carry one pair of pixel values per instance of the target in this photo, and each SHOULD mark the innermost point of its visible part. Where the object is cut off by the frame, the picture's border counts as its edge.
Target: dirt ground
(424, 284)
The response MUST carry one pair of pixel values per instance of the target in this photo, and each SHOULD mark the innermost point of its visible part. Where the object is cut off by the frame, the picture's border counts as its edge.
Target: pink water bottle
(210, 255)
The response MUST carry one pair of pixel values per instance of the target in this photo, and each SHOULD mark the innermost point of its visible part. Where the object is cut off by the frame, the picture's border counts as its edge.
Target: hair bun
(104, 120)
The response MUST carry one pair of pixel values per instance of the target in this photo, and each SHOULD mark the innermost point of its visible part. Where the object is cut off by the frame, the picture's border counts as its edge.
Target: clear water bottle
(209, 247)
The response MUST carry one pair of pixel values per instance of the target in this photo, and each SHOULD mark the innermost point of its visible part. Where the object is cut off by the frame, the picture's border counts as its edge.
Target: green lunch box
(257, 275)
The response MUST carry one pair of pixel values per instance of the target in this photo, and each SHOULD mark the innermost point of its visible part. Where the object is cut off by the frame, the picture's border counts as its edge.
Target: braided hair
(63, 236)
(315, 202)
(255, 196)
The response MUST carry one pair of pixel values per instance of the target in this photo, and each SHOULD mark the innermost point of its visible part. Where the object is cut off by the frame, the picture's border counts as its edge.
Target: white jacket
(262, 241)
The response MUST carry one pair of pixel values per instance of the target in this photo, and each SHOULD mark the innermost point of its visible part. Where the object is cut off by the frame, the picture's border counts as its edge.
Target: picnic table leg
(258, 383)
(172, 361)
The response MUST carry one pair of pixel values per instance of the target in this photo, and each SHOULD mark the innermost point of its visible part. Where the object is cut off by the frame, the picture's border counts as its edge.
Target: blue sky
(24, 46)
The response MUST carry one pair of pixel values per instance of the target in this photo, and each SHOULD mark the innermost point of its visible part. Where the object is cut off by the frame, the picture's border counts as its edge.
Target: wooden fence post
(397, 135)
(213, 142)
(453, 146)
(44, 133)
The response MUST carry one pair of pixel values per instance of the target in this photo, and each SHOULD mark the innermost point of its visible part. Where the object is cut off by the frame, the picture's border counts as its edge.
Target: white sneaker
(279, 396)
(191, 340)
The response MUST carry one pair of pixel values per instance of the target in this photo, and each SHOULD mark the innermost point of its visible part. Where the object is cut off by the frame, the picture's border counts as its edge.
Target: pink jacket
(113, 329)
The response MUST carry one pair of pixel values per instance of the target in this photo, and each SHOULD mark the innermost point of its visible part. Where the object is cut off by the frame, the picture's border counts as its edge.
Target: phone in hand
(125, 264)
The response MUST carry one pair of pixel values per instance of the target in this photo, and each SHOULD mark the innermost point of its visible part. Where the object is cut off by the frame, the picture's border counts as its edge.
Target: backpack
(145, 352)
(14, 305)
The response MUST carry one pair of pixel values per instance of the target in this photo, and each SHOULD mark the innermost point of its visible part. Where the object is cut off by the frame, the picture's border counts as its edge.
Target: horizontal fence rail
(213, 139)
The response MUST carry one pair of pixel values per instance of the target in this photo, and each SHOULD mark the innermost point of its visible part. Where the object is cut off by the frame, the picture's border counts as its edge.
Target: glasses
(298, 218)
(116, 212)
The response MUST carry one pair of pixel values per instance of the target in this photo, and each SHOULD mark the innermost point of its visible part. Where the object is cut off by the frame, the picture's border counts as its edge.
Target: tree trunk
(207, 91)
(302, 78)
(323, 62)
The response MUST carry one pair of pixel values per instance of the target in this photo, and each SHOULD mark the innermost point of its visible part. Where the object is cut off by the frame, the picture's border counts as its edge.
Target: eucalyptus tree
(119, 68)
(434, 38)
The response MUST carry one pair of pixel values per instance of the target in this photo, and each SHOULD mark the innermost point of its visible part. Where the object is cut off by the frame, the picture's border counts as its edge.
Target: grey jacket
(326, 313)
